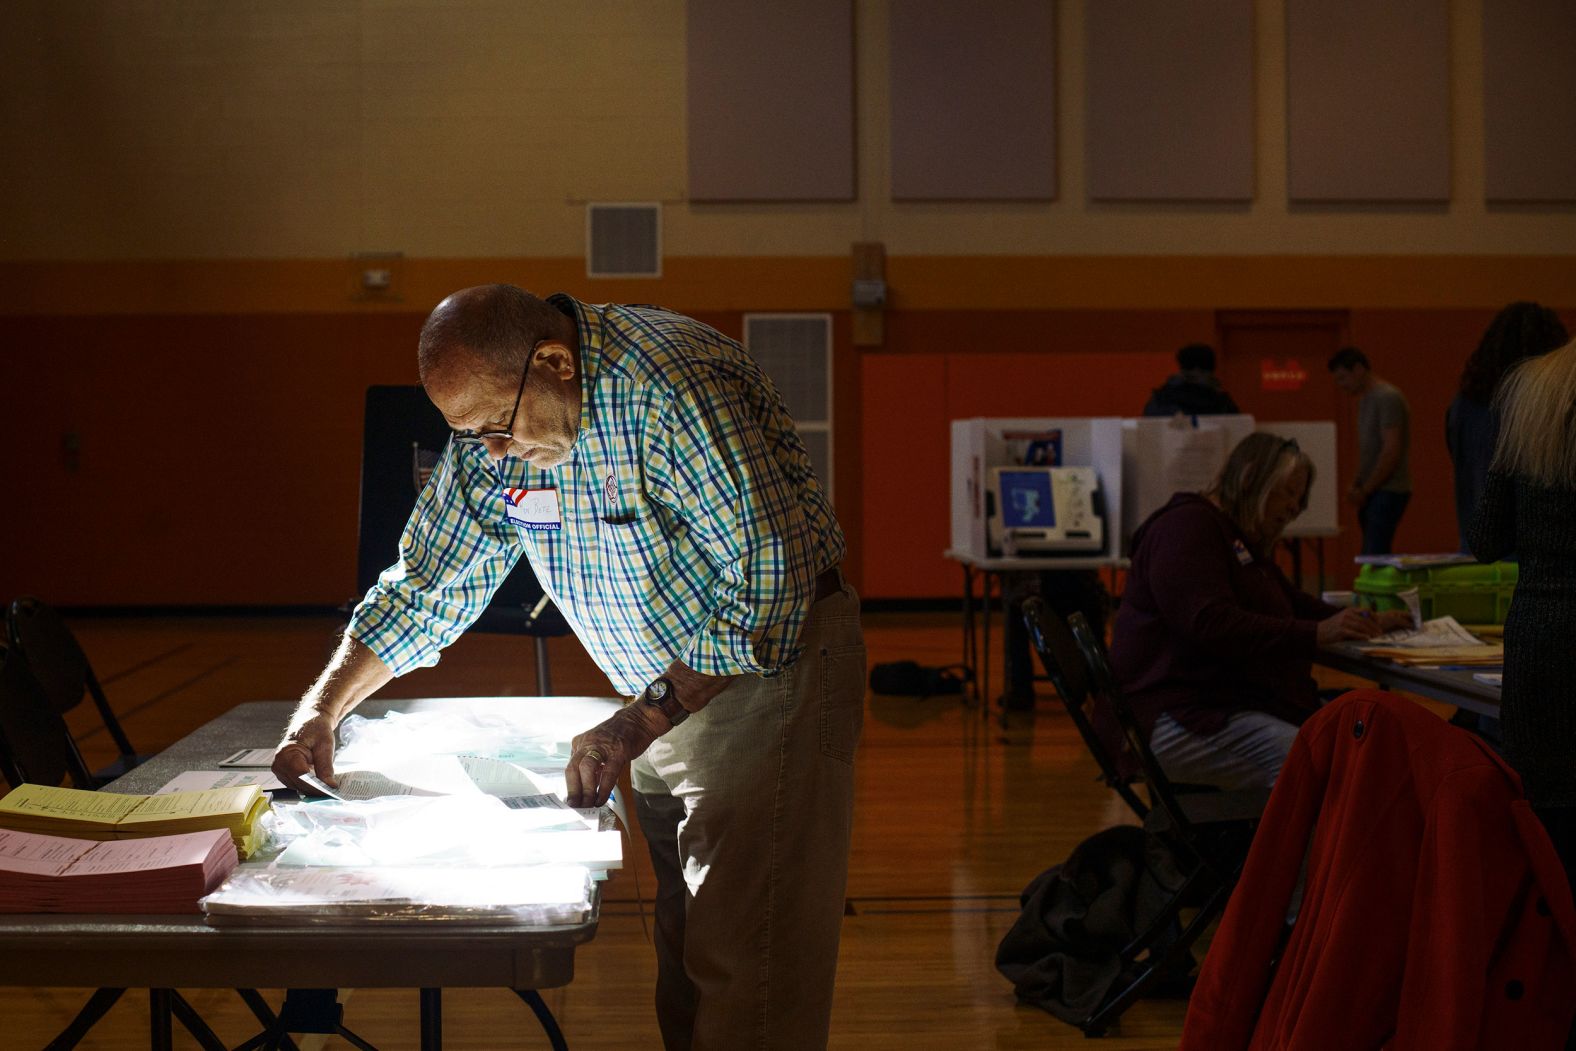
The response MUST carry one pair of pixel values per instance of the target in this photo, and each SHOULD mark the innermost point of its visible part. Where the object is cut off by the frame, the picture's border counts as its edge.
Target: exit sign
(1283, 375)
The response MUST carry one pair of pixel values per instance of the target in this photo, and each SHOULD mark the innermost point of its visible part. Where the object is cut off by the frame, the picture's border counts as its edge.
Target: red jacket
(1436, 914)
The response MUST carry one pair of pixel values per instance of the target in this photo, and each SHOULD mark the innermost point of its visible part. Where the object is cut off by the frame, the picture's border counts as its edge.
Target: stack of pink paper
(156, 874)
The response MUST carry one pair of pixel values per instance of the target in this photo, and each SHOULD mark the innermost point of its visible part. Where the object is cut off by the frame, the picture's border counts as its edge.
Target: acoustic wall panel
(1529, 100)
(771, 100)
(1170, 99)
(973, 100)
(1368, 100)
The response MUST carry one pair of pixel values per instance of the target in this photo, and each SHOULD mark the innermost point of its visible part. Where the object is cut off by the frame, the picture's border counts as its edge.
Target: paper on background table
(199, 780)
(1484, 655)
(1439, 632)
(250, 757)
(1490, 678)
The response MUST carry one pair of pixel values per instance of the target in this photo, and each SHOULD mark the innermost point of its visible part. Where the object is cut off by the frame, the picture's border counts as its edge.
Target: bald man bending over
(647, 468)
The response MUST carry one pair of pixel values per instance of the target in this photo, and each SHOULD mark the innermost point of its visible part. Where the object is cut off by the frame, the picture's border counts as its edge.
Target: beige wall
(287, 129)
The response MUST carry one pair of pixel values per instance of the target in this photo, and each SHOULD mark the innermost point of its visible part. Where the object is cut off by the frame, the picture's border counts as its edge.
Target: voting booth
(1166, 455)
(1037, 487)
(1162, 456)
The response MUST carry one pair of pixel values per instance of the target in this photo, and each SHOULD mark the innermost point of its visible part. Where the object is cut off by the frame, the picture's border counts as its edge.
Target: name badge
(1244, 556)
(533, 508)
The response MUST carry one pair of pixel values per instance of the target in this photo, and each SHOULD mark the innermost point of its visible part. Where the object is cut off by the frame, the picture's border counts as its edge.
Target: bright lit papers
(542, 894)
(156, 874)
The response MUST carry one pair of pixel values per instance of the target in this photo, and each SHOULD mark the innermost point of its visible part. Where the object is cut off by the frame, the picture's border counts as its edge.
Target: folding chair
(1210, 832)
(1065, 667)
(403, 437)
(54, 659)
(39, 749)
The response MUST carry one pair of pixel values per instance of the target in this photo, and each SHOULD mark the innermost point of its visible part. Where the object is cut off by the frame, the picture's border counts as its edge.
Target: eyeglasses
(507, 434)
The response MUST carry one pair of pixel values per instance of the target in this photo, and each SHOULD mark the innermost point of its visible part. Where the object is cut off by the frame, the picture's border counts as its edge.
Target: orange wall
(218, 448)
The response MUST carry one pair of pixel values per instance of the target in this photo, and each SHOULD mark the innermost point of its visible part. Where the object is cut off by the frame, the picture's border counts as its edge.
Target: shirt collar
(590, 327)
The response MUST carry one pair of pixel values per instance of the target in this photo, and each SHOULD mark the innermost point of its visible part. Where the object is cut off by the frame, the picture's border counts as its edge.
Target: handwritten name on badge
(1244, 556)
(533, 508)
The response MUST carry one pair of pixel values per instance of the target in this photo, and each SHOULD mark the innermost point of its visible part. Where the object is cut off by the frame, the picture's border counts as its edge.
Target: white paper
(251, 757)
(1191, 456)
(496, 777)
(427, 775)
(199, 780)
(1439, 632)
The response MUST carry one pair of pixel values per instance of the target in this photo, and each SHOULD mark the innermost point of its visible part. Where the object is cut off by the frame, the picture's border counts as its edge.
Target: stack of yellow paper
(109, 815)
(1490, 654)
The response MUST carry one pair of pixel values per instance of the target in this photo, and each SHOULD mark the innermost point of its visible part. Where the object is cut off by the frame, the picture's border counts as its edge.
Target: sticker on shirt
(533, 508)
(1244, 556)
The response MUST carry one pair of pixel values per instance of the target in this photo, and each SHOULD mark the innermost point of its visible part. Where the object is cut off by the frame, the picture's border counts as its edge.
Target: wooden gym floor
(953, 817)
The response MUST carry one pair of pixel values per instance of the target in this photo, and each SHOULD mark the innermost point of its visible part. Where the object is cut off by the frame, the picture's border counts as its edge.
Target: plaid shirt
(693, 523)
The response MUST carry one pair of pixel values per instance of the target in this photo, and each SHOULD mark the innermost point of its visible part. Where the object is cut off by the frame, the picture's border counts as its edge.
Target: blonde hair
(1537, 419)
(1257, 465)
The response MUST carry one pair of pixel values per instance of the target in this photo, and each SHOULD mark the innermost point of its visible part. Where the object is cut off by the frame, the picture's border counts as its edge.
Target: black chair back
(38, 744)
(8, 769)
(1211, 831)
(57, 664)
(1069, 673)
(1181, 814)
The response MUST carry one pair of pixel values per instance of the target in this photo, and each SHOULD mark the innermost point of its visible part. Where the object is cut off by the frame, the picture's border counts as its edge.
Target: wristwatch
(662, 696)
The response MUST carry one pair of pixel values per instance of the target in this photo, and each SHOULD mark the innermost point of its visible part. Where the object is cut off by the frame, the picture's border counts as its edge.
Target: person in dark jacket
(1194, 391)
(1212, 644)
(1521, 330)
(1529, 507)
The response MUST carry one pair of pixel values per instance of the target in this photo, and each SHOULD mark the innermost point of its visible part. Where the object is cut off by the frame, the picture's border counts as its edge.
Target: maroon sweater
(1207, 628)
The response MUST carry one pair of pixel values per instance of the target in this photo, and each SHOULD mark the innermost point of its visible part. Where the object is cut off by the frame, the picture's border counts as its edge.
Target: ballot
(50, 810)
(150, 875)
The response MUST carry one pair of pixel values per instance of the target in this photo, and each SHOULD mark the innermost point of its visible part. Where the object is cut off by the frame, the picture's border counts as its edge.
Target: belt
(829, 583)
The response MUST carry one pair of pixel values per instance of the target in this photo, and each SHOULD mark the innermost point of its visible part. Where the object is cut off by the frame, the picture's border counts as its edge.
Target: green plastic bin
(1473, 593)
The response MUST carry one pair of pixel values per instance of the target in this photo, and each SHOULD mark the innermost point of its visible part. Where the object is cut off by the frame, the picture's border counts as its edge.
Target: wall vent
(795, 350)
(624, 240)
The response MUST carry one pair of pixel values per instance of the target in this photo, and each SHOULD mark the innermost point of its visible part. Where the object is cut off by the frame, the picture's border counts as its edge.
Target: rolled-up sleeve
(452, 557)
(711, 464)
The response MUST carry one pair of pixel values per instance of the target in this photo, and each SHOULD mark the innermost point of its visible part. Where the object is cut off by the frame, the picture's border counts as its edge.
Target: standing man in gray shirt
(1384, 482)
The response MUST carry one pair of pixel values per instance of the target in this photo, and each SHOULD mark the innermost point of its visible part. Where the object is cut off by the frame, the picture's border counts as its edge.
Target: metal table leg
(534, 1001)
(160, 1036)
(970, 639)
(984, 658)
(432, 1020)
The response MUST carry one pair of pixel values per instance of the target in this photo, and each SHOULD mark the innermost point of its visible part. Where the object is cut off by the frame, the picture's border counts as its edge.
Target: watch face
(657, 690)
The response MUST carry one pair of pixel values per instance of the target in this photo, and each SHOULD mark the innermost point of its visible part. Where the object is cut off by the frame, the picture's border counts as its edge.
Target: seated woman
(1212, 644)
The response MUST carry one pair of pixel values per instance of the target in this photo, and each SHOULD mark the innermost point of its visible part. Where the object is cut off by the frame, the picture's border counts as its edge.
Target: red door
(1273, 363)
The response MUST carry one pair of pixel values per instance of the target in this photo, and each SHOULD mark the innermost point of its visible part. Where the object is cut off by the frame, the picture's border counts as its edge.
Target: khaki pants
(747, 807)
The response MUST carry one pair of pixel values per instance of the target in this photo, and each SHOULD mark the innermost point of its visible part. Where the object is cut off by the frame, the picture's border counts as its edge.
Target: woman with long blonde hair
(1529, 508)
(1212, 644)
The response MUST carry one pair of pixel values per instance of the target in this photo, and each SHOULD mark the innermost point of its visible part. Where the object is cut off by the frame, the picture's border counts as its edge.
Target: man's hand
(1346, 626)
(598, 757)
(1355, 496)
(308, 747)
